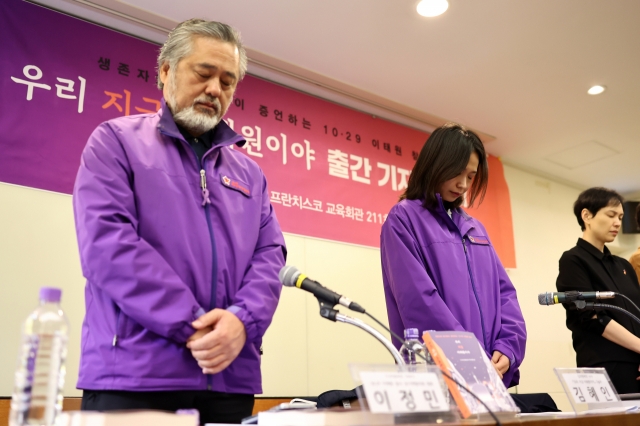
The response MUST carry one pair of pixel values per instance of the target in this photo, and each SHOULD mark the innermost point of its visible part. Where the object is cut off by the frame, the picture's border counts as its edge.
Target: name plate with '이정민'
(404, 392)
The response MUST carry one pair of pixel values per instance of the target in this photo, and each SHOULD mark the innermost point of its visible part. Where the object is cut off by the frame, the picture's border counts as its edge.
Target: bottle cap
(411, 333)
(50, 294)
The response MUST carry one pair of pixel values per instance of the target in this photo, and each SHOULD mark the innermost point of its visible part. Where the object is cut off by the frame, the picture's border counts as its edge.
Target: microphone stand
(583, 304)
(327, 311)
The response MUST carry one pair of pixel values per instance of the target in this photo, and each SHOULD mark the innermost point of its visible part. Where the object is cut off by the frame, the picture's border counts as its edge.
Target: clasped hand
(219, 338)
(500, 362)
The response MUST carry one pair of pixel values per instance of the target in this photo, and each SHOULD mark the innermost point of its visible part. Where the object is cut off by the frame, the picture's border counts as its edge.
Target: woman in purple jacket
(439, 268)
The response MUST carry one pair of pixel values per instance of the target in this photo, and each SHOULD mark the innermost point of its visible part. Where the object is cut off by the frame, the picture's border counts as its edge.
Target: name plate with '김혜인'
(587, 388)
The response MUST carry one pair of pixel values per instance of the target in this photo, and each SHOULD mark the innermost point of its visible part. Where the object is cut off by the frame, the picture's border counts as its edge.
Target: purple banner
(60, 77)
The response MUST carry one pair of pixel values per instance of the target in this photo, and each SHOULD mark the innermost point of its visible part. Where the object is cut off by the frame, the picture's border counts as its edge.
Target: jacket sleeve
(256, 300)
(572, 275)
(512, 338)
(113, 256)
(416, 296)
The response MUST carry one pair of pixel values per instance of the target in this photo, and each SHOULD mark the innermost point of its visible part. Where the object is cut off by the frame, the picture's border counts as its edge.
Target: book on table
(460, 355)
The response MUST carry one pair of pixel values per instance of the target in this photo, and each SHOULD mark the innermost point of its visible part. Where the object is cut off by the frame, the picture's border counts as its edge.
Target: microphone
(569, 296)
(290, 276)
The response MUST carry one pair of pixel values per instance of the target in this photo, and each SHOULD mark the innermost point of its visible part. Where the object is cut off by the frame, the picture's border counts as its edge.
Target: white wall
(544, 227)
(37, 248)
(304, 353)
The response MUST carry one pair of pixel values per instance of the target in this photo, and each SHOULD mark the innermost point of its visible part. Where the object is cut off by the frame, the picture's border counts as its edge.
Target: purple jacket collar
(462, 221)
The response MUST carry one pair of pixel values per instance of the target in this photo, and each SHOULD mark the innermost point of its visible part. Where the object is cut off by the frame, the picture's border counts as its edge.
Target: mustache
(209, 100)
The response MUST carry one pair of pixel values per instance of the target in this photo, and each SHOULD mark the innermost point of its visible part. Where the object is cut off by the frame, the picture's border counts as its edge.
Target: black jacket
(585, 268)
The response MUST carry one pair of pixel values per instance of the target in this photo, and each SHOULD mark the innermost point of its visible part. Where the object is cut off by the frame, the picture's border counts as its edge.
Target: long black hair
(444, 156)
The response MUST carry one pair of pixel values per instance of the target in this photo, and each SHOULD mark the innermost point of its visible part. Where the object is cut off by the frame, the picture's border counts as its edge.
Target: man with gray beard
(179, 244)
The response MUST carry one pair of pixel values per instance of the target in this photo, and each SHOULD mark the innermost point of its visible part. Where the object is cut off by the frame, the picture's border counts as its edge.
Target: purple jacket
(157, 250)
(442, 273)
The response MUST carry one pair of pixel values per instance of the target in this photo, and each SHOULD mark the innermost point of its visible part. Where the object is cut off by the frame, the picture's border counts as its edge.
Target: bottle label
(39, 379)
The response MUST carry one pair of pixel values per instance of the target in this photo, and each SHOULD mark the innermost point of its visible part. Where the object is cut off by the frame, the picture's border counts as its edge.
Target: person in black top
(602, 338)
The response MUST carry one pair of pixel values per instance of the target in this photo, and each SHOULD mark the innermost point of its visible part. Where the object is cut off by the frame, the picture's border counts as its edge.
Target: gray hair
(178, 45)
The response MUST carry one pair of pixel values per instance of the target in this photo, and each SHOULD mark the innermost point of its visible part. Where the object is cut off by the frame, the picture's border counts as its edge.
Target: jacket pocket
(121, 323)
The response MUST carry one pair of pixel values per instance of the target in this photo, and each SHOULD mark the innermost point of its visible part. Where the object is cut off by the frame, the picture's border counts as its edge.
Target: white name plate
(587, 387)
(403, 392)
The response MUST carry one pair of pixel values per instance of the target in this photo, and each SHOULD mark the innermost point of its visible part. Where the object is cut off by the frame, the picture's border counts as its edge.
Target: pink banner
(333, 172)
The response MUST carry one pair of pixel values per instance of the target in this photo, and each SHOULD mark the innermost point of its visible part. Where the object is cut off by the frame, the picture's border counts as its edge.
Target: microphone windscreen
(288, 275)
(545, 298)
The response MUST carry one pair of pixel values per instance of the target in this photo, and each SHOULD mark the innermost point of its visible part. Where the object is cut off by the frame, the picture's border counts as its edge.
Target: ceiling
(516, 71)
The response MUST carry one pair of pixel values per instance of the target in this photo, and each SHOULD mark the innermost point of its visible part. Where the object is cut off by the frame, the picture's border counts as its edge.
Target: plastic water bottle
(39, 379)
(412, 356)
